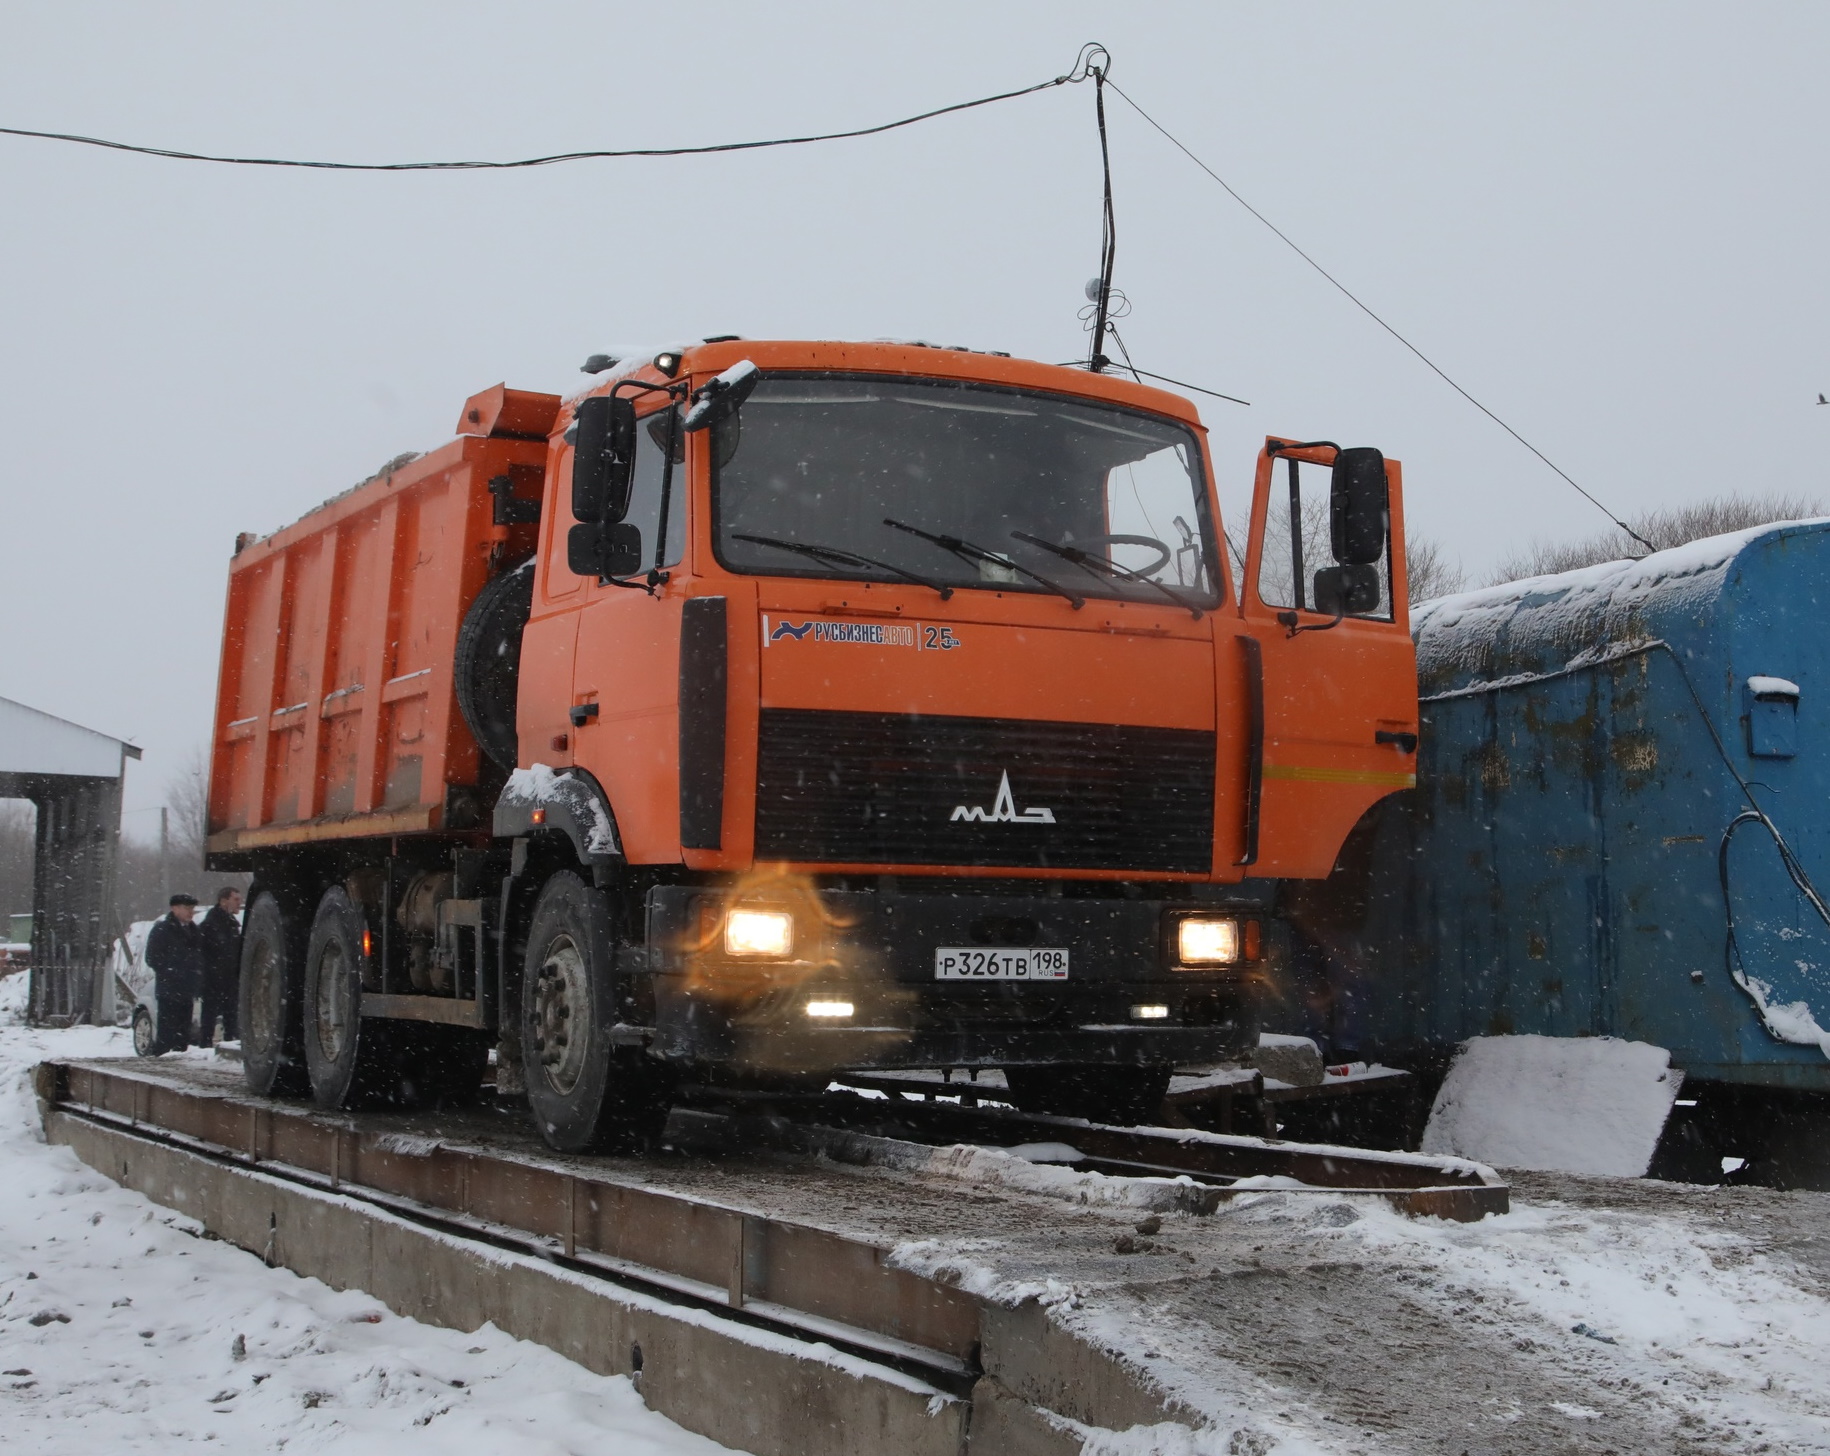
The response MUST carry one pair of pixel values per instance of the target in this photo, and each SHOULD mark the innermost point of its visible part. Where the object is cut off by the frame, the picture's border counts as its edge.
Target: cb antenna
(1097, 62)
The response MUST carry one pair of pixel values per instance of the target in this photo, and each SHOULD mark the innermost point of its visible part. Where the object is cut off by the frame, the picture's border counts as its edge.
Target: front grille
(872, 788)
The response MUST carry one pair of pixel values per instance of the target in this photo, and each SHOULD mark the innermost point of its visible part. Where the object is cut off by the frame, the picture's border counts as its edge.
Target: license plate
(1000, 963)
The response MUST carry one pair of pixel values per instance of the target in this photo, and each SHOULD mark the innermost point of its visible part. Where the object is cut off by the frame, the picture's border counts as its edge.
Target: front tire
(586, 1094)
(350, 1060)
(268, 1001)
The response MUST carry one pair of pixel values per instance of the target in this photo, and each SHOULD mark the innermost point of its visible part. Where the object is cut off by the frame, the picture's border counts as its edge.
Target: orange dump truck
(780, 708)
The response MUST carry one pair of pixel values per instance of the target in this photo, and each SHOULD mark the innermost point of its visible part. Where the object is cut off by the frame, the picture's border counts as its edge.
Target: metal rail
(1413, 1182)
(768, 1272)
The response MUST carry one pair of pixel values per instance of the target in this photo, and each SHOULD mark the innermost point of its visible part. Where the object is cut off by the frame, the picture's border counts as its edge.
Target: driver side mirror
(600, 549)
(603, 458)
(1358, 506)
(720, 396)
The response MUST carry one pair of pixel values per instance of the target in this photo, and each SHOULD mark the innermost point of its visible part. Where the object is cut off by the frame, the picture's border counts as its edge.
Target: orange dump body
(335, 713)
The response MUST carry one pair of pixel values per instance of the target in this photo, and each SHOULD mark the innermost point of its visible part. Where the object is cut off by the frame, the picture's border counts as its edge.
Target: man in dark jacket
(221, 962)
(174, 950)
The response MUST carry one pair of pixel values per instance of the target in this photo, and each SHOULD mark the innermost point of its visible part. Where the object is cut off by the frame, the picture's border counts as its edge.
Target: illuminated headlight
(1205, 942)
(830, 1010)
(767, 934)
(1150, 1012)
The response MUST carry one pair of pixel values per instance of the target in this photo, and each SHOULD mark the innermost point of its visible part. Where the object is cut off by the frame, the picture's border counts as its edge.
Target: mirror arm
(1288, 621)
(655, 575)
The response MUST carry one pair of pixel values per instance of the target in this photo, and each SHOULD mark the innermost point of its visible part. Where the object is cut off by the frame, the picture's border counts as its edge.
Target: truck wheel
(586, 1095)
(1124, 1096)
(145, 1040)
(272, 1033)
(351, 1061)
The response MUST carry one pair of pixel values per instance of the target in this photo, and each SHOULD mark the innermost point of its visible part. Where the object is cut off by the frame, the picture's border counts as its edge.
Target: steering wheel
(1150, 541)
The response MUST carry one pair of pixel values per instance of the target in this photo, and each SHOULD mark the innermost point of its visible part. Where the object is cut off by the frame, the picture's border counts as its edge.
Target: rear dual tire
(362, 1062)
(269, 999)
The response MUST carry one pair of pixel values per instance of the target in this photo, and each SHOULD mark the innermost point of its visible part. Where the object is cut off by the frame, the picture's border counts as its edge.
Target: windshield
(820, 464)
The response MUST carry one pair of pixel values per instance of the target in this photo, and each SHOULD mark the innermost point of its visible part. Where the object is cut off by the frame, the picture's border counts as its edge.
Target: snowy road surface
(122, 1330)
(1601, 1315)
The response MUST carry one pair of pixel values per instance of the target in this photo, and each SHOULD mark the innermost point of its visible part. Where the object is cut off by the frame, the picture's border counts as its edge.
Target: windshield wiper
(966, 551)
(843, 558)
(1088, 561)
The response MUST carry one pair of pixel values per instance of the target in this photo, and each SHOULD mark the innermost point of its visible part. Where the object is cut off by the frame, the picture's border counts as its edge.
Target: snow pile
(123, 1328)
(1548, 624)
(1556, 1104)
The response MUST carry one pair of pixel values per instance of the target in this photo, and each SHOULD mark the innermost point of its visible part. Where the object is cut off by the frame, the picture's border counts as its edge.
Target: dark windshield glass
(822, 462)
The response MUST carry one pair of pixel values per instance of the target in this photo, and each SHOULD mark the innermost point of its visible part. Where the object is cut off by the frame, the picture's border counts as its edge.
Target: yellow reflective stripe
(1304, 775)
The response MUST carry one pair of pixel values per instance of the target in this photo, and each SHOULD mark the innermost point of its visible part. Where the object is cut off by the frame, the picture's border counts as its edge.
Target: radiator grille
(869, 788)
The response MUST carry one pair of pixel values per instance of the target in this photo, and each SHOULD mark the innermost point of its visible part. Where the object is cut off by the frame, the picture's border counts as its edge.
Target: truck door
(625, 675)
(1332, 685)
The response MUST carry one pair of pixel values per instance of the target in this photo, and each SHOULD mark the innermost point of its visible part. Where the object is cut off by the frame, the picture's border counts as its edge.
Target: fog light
(1151, 1012)
(1203, 942)
(830, 1010)
(765, 933)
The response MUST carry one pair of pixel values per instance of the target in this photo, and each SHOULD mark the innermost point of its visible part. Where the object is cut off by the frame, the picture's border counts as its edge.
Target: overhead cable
(1077, 74)
(1352, 298)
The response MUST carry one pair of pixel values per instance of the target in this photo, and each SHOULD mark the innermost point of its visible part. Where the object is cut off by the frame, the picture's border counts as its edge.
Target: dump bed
(335, 708)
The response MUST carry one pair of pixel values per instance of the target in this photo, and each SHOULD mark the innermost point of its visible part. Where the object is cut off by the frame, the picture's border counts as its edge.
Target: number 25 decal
(939, 639)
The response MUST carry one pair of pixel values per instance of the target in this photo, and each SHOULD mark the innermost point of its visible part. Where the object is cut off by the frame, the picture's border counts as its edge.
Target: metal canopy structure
(73, 777)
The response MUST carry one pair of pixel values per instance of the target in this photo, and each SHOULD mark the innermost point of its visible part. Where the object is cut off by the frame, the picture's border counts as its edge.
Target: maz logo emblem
(1002, 811)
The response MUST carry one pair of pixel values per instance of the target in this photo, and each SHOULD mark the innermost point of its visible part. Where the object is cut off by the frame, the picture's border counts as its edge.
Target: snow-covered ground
(123, 1330)
(1600, 1315)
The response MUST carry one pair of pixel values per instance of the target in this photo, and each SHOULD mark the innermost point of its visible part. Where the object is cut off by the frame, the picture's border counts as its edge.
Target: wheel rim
(263, 1029)
(336, 1002)
(142, 1034)
(561, 1000)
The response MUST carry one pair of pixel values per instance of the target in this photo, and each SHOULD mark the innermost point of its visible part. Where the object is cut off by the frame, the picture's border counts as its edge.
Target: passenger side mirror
(1347, 591)
(603, 458)
(720, 396)
(1358, 507)
(600, 549)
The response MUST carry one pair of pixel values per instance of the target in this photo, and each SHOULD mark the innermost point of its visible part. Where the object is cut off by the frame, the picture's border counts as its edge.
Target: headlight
(765, 934)
(830, 1010)
(1204, 942)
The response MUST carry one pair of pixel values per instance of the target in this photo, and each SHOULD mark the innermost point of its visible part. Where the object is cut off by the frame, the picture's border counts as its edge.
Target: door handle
(1406, 742)
(581, 713)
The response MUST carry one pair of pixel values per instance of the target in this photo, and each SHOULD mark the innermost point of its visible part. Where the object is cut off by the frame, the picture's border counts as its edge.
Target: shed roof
(35, 742)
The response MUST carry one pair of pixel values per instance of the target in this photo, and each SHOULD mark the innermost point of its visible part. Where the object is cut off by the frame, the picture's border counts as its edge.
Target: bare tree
(1429, 571)
(1665, 528)
(18, 827)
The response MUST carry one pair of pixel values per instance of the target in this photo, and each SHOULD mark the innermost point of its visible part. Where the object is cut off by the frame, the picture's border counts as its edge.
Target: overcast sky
(1607, 222)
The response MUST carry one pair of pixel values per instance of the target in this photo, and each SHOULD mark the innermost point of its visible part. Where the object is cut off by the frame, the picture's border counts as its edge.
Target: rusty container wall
(336, 713)
(1556, 869)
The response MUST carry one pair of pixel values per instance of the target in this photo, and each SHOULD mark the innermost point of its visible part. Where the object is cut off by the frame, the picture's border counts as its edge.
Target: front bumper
(875, 951)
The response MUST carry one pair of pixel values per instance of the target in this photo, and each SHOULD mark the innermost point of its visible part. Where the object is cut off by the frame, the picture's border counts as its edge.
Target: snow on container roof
(1519, 630)
(34, 742)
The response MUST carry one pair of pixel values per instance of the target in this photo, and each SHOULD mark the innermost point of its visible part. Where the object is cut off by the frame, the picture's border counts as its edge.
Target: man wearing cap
(174, 950)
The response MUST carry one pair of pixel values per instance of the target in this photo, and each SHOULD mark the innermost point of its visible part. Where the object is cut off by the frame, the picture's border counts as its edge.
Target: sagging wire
(1102, 81)
(1090, 54)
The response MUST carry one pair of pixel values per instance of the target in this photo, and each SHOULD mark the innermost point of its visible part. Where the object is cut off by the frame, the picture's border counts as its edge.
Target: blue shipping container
(1598, 750)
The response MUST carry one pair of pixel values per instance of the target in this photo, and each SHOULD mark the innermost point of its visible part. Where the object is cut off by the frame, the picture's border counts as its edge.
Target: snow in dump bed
(1547, 624)
(123, 1329)
(1557, 1104)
